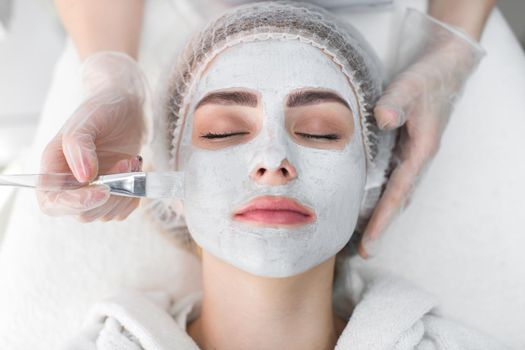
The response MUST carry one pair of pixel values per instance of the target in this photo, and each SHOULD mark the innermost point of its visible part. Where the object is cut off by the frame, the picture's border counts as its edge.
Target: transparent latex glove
(103, 136)
(434, 61)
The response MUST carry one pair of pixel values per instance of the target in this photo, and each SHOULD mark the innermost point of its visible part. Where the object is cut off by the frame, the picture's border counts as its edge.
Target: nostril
(279, 175)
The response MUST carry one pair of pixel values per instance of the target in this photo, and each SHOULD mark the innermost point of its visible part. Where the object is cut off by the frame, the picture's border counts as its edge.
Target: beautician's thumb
(394, 106)
(79, 151)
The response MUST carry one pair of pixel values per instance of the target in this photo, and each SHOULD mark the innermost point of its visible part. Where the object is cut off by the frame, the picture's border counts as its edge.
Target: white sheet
(461, 238)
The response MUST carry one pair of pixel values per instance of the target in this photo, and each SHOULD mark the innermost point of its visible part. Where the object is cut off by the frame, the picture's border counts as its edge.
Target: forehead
(278, 66)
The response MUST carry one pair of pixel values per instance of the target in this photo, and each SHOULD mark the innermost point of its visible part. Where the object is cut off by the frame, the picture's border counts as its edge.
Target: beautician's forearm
(101, 25)
(470, 15)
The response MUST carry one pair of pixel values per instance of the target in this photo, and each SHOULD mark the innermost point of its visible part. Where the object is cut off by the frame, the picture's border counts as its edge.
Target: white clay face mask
(328, 182)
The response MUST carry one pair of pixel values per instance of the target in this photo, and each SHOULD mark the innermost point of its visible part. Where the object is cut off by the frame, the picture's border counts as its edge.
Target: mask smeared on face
(330, 182)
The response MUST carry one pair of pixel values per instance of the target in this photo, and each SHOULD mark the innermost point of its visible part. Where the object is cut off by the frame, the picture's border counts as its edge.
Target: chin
(279, 268)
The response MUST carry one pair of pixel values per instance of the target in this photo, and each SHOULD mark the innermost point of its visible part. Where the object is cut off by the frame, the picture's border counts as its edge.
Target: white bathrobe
(384, 312)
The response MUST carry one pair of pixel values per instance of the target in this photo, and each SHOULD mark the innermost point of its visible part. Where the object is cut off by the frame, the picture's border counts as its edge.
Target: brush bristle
(165, 184)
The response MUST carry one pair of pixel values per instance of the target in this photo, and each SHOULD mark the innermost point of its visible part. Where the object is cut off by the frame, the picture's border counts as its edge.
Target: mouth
(274, 211)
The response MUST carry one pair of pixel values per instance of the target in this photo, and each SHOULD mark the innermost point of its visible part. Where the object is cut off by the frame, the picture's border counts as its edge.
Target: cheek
(335, 179)
(216, 176)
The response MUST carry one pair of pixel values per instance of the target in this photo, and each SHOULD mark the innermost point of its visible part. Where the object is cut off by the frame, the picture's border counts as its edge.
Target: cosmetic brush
(136, 184)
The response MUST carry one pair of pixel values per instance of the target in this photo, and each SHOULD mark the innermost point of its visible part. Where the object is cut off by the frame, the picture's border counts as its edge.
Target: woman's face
(273, 157)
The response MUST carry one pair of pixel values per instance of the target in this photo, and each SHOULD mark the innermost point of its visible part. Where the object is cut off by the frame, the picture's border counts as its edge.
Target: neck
(243, 311)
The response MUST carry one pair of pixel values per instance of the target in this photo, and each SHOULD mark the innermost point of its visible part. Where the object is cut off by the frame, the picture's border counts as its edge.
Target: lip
(274, 211)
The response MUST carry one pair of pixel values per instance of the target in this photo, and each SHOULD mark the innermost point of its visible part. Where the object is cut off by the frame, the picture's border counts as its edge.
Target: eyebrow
(311, 97)
(242, 98)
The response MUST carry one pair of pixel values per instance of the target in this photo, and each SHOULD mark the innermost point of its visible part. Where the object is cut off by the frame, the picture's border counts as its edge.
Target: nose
(279, 175)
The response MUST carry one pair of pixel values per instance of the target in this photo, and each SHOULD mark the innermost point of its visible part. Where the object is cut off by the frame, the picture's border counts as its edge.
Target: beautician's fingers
(416, 148)
(80, 201)
(396, 103)
(124, 209)
(53, 159)
(91, 199)
(115, 203)
(98, 212)
(104, 129)
(391, 203)
(124, 205)
(73, 202)
(411, 104)
(422, 120)
(78, 144)
(127, 209)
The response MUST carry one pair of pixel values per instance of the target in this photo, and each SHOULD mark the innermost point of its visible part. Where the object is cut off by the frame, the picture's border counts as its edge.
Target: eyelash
(330, 137)
(211, 135)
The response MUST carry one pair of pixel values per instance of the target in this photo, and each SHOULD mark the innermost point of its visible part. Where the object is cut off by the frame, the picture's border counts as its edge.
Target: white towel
(392, 313)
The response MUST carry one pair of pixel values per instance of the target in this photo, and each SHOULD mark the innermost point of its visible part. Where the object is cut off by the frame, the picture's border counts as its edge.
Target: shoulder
(134, 321)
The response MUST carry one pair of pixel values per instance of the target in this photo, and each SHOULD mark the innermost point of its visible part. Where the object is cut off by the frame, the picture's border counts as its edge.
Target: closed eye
(211, 135)
(333, 137)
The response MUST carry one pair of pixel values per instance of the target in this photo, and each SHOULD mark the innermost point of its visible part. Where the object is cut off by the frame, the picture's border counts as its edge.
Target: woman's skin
(243, 311)
(240, 309)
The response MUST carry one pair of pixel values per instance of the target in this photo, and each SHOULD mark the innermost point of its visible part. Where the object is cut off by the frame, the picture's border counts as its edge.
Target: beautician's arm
(419, 100)
(469, 15)
(104, 134)
(102, 25)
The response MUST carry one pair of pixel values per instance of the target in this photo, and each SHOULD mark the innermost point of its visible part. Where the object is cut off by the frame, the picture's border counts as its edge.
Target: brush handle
(42, 182)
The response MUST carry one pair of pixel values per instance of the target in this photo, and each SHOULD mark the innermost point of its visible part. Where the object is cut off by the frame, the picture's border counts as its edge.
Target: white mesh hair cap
(279, 20)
